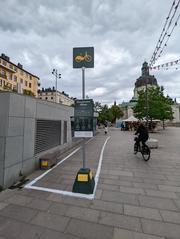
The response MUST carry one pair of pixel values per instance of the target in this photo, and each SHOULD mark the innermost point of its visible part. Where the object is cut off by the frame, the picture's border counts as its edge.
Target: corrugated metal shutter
(48, 135)
(65, 132)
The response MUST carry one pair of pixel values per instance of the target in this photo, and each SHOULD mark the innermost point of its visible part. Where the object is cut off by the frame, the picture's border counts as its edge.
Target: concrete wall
(18, 114)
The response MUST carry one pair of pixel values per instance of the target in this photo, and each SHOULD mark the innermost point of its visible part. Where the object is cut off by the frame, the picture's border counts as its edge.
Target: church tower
(143, 80)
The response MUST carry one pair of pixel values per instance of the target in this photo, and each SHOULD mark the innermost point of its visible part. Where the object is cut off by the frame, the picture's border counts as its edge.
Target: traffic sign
(83, 57)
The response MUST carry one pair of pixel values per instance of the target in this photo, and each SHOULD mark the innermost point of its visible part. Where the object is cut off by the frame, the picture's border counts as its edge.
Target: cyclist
(142, 133)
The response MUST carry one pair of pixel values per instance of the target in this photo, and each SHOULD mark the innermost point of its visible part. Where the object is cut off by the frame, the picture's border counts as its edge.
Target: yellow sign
(82, 177)
(86, 58)
(44, 163)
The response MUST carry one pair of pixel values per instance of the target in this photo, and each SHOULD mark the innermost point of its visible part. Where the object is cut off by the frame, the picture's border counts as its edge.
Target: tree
(157, 106)
(105, 114)
(116, 112)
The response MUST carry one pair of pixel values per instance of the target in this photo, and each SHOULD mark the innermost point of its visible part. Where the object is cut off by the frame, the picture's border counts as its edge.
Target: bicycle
(143, 149)
(86, 58)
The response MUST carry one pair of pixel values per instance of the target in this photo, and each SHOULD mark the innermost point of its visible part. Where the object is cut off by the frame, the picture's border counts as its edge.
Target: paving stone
(3, 222)
(76, 201)
(132, 190)
(106, 176)
(58, 208)
(39, 204)
(50, 234)
(167, 230)
(120, 173)
(89, 230)
(107, 206)
(163, 194)
(131, 179)
(149, 175)
(120, 197)
(145, 185)
(19, 200)
(18, 212)
(142, 212)
(35, 193)
(4, 195)
(170, 216)
(169, 188)
(118, 220)
(108, 187)
(177, 202)
(50, 221)
(126, 234)
(82, 213)
(3, 205)
(159, 203)
(55, 197)
(117, 182)
(20, 230)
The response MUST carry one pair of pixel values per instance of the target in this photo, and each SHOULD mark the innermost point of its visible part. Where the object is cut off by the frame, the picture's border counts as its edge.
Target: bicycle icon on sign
(86, 58)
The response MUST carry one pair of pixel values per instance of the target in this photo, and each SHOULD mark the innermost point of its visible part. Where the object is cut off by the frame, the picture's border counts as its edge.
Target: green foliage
(158, 106)
(28, 92)
(106, 113)
(1, 188)
(116, 112)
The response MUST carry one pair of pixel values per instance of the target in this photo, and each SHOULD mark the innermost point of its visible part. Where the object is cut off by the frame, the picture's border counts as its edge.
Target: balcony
(7, 67)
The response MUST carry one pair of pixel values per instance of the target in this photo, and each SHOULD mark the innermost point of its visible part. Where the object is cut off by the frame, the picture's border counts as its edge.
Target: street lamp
(57, 76)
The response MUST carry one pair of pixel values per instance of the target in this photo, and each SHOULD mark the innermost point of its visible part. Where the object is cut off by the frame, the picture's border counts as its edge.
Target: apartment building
(14, 78)
(50, 95)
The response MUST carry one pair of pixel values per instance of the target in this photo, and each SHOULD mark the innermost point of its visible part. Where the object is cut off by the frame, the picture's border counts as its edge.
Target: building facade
(146, 80)
(30, 128)
(14, 78)
(50, 95)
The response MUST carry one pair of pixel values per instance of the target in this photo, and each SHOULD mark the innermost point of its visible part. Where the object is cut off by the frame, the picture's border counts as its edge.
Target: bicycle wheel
(135, 148)
(146, 152)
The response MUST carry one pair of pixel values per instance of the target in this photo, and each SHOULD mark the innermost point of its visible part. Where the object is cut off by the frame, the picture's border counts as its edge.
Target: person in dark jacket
(142, 133)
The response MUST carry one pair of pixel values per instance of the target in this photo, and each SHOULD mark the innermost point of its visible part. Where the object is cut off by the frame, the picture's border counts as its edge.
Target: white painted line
(79, 195)
(42, 175)
(100, 164)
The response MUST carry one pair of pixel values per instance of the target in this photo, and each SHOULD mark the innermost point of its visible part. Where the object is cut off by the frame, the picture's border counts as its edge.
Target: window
(46, 98)
(29, 85)
(21, 80)
(10, 76)
(51, 98)
(30, 77)
(15, 68)
(15, 78)
(26, 83)
(4, 63)
(1, 82)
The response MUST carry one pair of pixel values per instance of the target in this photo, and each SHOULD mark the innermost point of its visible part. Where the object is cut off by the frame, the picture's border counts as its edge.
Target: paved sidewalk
(134, 199)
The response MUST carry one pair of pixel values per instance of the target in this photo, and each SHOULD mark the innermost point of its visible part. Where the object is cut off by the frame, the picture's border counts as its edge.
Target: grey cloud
(41, 34)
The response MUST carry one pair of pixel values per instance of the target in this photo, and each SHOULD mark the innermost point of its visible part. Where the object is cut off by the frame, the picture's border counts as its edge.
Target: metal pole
(146, 105)
(83, 96)
(83, 83)
(56, 85)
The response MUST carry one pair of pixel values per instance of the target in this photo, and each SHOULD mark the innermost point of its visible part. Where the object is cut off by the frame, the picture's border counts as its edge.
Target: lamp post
(57, 76)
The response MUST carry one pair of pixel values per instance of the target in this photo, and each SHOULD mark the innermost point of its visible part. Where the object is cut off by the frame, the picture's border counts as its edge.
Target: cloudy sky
(41, 34)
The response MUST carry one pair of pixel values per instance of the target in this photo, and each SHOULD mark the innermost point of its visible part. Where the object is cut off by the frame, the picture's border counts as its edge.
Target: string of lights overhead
(166, 33)
(167, 66)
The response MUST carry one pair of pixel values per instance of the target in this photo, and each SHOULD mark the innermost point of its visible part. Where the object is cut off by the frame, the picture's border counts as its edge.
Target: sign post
(83, 125)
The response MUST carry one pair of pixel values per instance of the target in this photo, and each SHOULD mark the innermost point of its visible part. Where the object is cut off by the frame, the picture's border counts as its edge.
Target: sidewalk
(134, 199)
